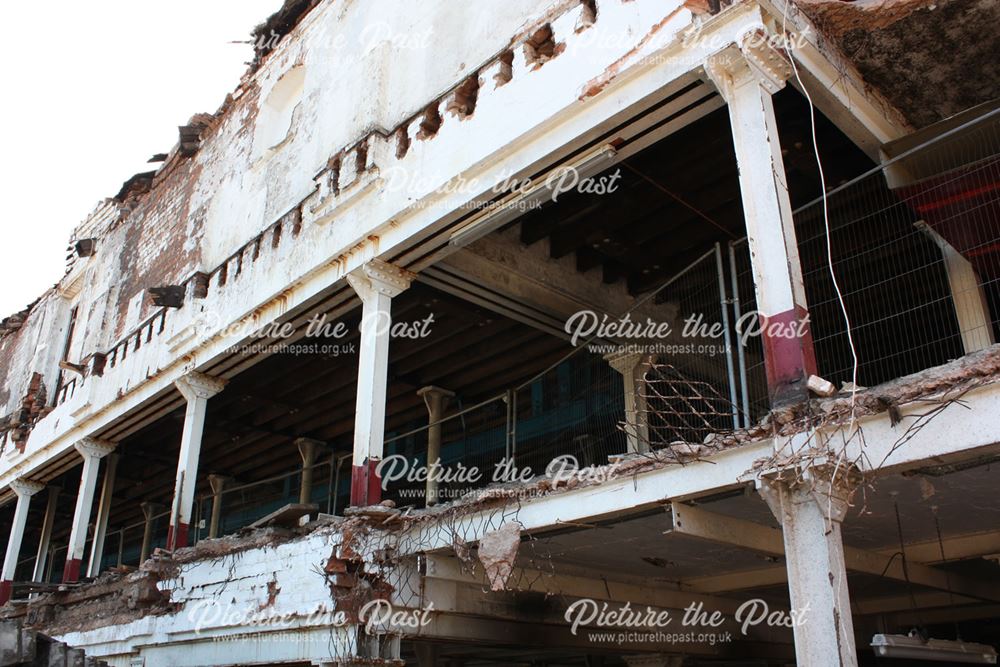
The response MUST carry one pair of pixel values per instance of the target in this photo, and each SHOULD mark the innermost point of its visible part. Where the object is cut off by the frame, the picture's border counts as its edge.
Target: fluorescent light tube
(939, 650)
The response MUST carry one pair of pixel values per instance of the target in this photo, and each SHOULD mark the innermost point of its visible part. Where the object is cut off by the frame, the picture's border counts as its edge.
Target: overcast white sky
(91, 91)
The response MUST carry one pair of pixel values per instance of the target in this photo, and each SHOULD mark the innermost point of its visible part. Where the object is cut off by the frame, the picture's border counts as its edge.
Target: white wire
(826, 212)
(829, 259)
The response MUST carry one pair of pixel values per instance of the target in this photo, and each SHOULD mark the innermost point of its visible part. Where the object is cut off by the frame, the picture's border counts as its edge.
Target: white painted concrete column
(810, 507)
(44, 543)
(307, 450)
(103, 513)
(968, 298)
(631, 365)
(436, 400)
(197, 388)
(747, 77)
(376, 282)
(218, 484)
(149, 510)
(24, 489)
(92, 451)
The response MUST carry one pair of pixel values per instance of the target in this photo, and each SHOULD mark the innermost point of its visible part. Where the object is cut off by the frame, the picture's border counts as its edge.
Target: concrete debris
(113, 598)
(686, 451)
(383, 512)
(462, 551)
(287, 516)
(821, 387)
(926, 488)
(497, 553)
(119, 597)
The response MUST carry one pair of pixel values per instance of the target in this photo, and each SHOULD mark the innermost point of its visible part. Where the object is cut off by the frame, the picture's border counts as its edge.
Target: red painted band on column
(6, 588)
(366, 486)
(789, 356)
(177, 537)
(71, 571)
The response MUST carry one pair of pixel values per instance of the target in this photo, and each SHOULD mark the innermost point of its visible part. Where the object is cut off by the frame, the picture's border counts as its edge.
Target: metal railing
(240, 505)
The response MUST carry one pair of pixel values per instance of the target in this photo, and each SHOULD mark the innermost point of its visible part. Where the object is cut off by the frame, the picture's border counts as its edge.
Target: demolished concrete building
(542, 332)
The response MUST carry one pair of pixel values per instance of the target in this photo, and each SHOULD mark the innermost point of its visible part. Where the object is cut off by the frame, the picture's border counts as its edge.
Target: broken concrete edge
(835, 17)
(941, 383)
(12, 323)
(282, 22)
(354, 569)
(267, 34)
(498, 552)
(118, 597)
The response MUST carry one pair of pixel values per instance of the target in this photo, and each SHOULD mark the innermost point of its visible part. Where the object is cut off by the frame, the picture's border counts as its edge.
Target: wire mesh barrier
(676, 409)
(915, 248)
(125, 546)
(573, 409)
(470, 442)
(701, 295)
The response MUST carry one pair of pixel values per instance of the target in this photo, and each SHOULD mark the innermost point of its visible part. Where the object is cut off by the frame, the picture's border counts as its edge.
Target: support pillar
(436, 400)
(376, 283)
(24, 489)
(810, 508)
(103, 513)
(197, 388)
(308, 449)
(968, 298)
(630, 365)
(149, 511)
(44, 543)
(218, 484)
(92, 451)
(746, 77)
(51, 564)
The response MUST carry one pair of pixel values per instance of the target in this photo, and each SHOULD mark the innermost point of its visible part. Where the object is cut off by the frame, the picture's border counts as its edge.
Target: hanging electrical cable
(826, 215)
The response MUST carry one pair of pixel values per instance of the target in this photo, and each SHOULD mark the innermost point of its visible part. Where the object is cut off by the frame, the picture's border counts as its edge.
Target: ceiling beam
(722, 529)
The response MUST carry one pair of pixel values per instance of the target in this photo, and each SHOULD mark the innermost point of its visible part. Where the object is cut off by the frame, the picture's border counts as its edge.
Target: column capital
(198, 385)
(379, 277)
(624, 362)
(25, 488)
(430, 390)
(307, 448)
(218, 483)
(94, 448)
(830, 487)
(754, 59)
(149, 509)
